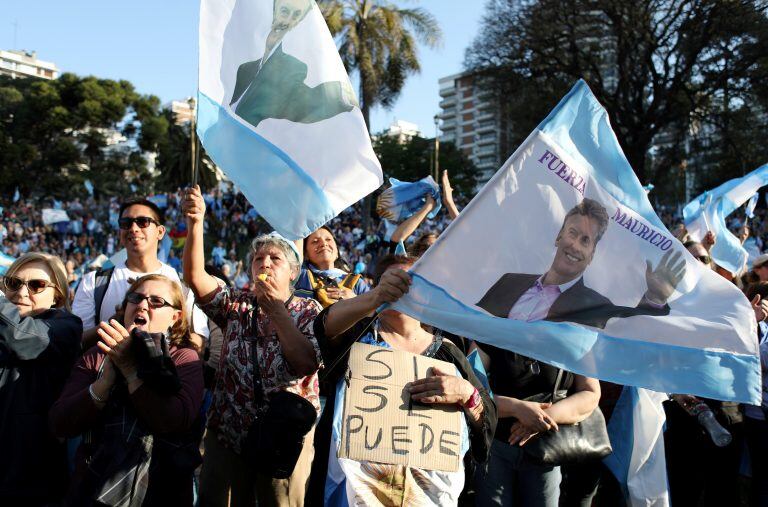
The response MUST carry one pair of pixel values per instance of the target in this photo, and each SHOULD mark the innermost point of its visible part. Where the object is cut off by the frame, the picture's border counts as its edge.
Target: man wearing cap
(269, 347)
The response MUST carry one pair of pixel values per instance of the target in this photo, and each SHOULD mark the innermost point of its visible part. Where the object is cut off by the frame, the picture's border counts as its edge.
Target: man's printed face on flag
(288, 14)
(575, 247)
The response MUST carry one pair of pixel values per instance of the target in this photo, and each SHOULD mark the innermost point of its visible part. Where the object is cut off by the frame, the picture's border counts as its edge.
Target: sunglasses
(154, 302)
(14, 284)
(125, 223)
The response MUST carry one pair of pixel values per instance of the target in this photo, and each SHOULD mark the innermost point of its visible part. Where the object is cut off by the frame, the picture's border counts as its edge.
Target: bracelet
(93, 395)
(474, 400)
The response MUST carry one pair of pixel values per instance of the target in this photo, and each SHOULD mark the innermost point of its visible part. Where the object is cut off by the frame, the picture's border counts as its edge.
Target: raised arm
(201, 283)
(345, 313)
(453, 211)
(406, 228)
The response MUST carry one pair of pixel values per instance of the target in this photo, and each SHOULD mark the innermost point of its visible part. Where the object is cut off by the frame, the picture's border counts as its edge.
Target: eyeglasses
(154, 302)
(706, 259)
(14, 284)
(125, 223)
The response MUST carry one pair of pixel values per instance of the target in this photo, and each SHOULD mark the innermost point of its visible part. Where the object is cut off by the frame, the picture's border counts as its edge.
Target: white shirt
(84, 305)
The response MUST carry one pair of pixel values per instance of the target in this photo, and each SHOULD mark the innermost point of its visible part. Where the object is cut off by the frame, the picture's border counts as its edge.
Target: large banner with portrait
(561, 258)
(277, 112)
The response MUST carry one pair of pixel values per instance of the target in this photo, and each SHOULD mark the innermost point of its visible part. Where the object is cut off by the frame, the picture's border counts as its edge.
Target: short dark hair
(140, 201)
(757, 288)
(390, 260)
(592, 209)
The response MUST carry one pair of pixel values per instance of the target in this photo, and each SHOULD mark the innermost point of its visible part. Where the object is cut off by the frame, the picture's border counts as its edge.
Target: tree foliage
(378, 41)
(662, 69)
(54, 134)
(412, 160)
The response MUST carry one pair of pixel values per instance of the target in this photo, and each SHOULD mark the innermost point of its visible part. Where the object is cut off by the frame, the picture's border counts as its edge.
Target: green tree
(53, 134)
(411, 160)
(656, 65)
(378, 41)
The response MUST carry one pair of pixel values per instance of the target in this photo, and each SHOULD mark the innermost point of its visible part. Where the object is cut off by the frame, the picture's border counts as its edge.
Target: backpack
(319, 282)
(103, 277)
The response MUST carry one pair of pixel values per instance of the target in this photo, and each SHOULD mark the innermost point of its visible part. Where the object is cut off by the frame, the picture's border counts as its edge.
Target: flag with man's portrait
(561, 258)
(277, 112)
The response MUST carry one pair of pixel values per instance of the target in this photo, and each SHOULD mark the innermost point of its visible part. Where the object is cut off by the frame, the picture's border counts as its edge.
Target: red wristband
(474, 400)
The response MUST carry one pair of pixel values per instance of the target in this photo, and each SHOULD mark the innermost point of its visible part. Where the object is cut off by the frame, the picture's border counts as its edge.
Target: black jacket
(579, 304)
(36, 356)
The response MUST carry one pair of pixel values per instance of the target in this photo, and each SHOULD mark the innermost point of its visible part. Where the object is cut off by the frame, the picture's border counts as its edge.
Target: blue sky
(153, 44)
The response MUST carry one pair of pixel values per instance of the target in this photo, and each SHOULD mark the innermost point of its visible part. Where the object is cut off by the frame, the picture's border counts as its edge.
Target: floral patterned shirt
(232, 410)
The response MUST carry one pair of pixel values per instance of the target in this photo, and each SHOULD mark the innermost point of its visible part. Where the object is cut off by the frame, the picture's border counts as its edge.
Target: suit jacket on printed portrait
(277, 90)
(579, 304)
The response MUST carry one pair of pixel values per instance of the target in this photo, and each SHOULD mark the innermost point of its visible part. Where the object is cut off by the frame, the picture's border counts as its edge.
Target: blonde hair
(179, 335)
(55, 266)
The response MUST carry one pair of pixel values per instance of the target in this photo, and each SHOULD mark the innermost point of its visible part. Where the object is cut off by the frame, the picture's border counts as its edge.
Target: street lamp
(437, 147)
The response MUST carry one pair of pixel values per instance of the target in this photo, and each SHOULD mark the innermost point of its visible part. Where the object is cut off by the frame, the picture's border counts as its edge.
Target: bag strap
(558, 382)
(103, 277)
(258, 387)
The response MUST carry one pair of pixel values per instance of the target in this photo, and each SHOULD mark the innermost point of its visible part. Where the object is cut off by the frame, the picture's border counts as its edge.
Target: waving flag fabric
(402, 199)
(709, 210)
(751, 204)
(278, 114)
(636, 430)
(5, 262)
(561, 258)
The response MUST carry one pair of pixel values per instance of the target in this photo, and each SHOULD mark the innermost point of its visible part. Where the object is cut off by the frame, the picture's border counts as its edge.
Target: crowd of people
(122, 385)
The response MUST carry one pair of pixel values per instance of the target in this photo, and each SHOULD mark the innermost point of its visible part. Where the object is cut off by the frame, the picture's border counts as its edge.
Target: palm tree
(378, 41)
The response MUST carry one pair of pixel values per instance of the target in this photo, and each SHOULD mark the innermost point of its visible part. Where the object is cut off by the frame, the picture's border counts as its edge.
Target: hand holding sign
(663, 280)
(441, 387)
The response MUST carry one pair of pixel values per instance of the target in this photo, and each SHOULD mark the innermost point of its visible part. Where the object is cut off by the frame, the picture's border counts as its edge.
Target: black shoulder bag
(573, 443)
(276, 437)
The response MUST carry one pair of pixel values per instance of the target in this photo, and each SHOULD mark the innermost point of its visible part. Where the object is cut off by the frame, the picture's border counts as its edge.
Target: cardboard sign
(382, 424)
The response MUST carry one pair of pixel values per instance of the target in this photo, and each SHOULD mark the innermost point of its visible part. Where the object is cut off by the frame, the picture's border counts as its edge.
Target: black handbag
(276, 438)
(573, 443)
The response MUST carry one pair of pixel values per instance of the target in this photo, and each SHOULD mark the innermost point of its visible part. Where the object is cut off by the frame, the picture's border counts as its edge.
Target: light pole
(437, 148)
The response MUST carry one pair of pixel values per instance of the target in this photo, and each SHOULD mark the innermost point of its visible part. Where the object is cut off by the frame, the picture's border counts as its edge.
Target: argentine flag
(278, 114)
(5, 262)
(571, 266)
(709, 210)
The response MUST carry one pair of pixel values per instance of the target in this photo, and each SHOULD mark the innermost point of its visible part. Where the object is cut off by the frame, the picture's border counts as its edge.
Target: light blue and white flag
(53, 216)
(402, 199)
(88, 186)
(278, 114)
(160, 200)
(708, 213)
(164, 248)
(5, 262)
(648, 188)
(750, 208)
(16, 195)
(636, 430)
(561, 258)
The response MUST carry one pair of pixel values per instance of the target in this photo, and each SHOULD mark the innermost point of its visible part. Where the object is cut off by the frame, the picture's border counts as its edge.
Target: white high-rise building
(472, 121)
(20, 64)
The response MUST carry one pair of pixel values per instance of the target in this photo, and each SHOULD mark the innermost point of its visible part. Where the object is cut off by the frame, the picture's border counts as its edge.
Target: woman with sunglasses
(136, 397)
(39, 343)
